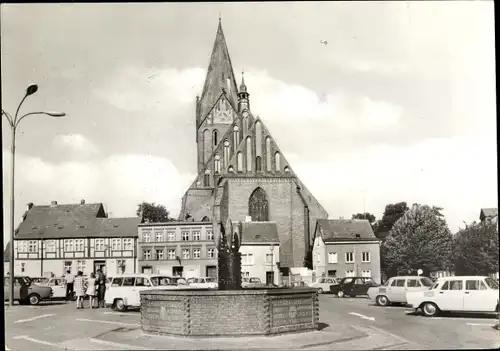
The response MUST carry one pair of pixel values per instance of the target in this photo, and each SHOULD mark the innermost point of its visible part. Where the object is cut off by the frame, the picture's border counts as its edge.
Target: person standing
(91, 290)
(79, 290)
(69, 279)
(102, 289)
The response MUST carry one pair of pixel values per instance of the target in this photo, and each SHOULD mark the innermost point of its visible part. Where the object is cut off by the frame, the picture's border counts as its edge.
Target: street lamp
(14, 122)
(271, 248)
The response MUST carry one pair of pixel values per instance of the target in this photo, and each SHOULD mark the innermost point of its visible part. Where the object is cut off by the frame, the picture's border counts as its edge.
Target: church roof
(259, 233)
(219, 75)
(345, 229)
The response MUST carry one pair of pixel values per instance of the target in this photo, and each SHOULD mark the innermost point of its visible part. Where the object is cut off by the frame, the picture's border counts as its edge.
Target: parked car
(25, 291)
(202, 283)
(58, 285)
(394, 290)
(457, 294)
(252, 282)
(179, 281)
(323, 284)
(352, 286)
(124, 291)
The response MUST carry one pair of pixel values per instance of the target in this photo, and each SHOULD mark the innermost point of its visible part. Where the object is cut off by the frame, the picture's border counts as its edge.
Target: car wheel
(382, 300)
(120, 305)
(430, 309)
(340, 293)
(320, 291)
(34, 299)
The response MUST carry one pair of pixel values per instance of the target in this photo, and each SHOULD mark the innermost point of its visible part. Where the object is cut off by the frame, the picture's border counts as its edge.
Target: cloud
(76, 143)
(119, 181)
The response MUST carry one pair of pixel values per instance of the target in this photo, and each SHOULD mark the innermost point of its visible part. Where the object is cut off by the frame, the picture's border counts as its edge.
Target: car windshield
(426, 282)
(491, 283)
(160, 281)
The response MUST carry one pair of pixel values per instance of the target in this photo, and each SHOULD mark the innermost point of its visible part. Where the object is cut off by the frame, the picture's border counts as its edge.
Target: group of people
(94, 288)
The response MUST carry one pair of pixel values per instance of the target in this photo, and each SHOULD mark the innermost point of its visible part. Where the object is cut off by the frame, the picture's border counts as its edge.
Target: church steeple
(219, 77)
(243, 101)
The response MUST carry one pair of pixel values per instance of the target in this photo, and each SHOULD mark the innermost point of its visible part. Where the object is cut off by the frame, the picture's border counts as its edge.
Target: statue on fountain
(227, 242)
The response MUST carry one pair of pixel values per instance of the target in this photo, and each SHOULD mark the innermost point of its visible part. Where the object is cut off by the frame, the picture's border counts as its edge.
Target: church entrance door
(269, 278)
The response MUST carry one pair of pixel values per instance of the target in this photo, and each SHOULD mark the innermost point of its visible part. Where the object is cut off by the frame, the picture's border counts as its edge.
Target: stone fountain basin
(217, 313)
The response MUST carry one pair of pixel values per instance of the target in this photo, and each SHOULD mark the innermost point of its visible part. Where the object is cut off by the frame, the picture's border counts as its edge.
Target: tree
(370, 217)
(392, 213)
(420, 239)
(476, 249)
(152, 213)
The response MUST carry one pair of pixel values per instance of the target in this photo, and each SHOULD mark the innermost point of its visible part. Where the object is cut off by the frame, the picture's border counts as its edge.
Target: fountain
(229, 310)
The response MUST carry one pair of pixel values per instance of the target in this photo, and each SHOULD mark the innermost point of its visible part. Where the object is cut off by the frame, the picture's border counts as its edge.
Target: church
(242, 175)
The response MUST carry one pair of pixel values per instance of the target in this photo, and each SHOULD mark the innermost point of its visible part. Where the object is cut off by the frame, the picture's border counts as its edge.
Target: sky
(399, 105)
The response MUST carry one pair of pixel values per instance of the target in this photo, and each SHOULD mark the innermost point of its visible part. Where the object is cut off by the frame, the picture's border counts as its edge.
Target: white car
(323, 284)
(457, 294)
(202, 283)
(394, 290)
(58, 286)
(124, 290)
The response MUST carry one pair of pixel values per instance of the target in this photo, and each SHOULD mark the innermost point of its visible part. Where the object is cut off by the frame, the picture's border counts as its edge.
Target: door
(128, 291)
(177, 271)
(141, 283)
(58, 288)
(476, 296)
(100, 265)
(451, 295)
(397, 290)
(269, 278)
(359, 287)
(332, 273)
(147, 270)
(211, 271)
(412, 285)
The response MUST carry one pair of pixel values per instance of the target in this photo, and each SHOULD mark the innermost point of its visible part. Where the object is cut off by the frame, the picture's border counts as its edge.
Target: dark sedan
(353, 286)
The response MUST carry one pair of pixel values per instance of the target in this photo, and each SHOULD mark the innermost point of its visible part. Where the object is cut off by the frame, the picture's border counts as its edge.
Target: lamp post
(271, 248)
(14, 123)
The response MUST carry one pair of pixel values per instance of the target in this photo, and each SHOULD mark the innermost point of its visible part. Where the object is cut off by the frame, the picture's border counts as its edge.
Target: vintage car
(394, 290)
(124, 290)
(252, 282)
(323, 284)
(352, 286)
(456, 294)
(202, 283)
(25, 291)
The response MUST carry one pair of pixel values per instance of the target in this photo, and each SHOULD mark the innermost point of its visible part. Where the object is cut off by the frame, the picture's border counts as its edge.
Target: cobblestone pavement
(346, 324)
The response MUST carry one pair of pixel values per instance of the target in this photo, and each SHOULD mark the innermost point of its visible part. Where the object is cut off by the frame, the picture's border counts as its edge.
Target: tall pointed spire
(220, 75)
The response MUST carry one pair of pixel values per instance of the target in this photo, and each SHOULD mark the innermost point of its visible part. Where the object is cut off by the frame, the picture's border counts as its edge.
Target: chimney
(30, 206)
(53, 203)
(82, 202)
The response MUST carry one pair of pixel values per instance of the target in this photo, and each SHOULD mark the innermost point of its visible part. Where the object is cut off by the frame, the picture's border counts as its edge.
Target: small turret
(243, 95)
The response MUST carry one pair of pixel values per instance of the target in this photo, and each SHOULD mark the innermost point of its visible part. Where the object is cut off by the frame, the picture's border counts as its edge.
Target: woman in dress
(91, 290)
(79, 290)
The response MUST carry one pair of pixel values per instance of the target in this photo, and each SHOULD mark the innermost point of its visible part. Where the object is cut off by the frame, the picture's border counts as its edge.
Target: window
(79, 245)
(140, 281)
(349, 257)
(171, 254)
(210, 235)
(349, 273)
(365, 257)
(81, 265)
(117, 282)
(32, 246)
(171, 236)
(50, 246)
(412, 283)
(22, 246)
(258, 164)
(236, 135)
(214, 137)
(398, 282)
(456, 285)
(159, 254)
(277, 162)
(332, 257)
(196, 235)
(206, 178)
(146, 254)
(99, 244)
(239, 162)
(269, 259)
(247, 259)
(366, 273)
(146, 237)
(318, 258)
(258, 206)
(245, 274)
(128, 244)
(268, 154)
(116, 244)
(196, 254)
(426, 282)
(249, 154)
(159, 237)
(120, 266)
(359, 281)
(226, 153)
(185, 236)
(185, 254)
(68, 245)
(128, 281)
(67, 266)
(211, 253)
(217, 164)
(475, 285)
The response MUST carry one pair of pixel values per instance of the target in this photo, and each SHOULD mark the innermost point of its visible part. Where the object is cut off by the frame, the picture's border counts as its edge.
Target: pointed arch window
(258, 138)
(277, 162)
(258, 206)
(214, 137)
(226, 152)
(206, 178)
(258, 164)
(217, 164)
(236, 135)
(245, 125)
(249, 154)
(206, 145)
(268, 154)
(239, 161)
